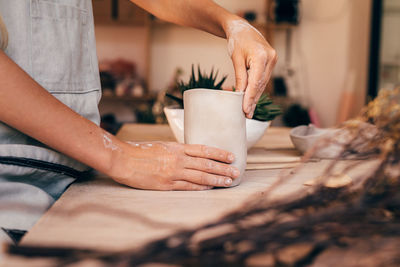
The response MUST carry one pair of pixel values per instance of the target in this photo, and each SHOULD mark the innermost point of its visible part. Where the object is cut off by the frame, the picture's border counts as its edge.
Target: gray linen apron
(53, 41)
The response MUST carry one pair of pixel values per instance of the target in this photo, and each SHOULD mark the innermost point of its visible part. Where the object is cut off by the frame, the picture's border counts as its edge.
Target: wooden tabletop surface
(101, 214)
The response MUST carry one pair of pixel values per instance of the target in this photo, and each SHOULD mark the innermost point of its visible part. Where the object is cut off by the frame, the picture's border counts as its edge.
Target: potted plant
(264, 113)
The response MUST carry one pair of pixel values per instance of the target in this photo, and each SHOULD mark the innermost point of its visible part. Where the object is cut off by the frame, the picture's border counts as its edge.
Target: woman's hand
(172, 166)
(253, 59)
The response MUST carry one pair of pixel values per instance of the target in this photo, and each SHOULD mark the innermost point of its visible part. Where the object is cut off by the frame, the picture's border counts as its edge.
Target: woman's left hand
(253, 59)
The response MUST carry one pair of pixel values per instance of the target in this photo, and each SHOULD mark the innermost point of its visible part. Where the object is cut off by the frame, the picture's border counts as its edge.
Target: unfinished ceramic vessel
(255, 129)
(215, 118)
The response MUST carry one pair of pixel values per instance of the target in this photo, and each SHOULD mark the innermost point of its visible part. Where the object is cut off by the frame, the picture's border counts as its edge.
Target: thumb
(239, 64)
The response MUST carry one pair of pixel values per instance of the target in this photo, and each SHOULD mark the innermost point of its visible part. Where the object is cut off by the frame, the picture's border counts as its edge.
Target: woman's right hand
(172, 166)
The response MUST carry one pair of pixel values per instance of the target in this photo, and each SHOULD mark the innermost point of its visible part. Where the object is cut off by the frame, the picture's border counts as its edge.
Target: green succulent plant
(265, 110)
(201, 81)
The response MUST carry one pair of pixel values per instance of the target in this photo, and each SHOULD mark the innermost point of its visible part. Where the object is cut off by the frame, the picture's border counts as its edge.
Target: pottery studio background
(333, 56)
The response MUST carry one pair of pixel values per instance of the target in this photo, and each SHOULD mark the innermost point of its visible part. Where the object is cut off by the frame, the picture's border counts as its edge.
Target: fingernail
(228, 181)
(248, 109)
(231, 157)
(235, 172)
(251, 115)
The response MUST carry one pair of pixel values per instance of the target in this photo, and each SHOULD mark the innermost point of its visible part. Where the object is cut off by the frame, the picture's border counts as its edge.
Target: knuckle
(273, 53)
(184, 186)
(252, 97)
(166, 182)
(181, 160)
(177, 186)
(219, 169)
(204, 179)
(194, 187)
(172, 164)
(274, 60)
(202, 148)
(206, 151)
(223, 156)
(227, 171)
(187, 148)
(240, 79)
(208, 165)
(274, 56)
(166, 187)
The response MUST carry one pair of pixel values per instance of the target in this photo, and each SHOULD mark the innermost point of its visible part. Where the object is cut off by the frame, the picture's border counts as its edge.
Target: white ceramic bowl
(255, 130)
(305, 137)
(175, 116)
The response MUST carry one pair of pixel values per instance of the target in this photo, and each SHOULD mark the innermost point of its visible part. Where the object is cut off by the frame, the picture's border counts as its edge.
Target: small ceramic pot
(305, 137)
(215, 118)
(254, 129)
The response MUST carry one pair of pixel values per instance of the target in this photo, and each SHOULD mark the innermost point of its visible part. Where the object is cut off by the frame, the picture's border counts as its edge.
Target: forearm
(200, 14)
(29, 108)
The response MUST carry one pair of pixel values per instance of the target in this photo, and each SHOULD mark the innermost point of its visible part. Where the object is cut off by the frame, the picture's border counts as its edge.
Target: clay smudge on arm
(156, 162)
(108, 143)
(237, 26)
(148, 145)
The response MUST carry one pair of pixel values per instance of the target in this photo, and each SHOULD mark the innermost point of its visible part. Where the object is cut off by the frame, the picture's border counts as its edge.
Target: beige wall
(329, 46)
(331, 40)
(359, 50)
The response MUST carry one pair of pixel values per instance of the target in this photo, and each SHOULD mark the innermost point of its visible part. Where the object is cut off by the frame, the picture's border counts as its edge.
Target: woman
(49, 91)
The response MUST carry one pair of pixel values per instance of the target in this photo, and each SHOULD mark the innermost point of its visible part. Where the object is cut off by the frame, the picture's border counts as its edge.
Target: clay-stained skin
(237, 26)
(108, 143)
(159, 164)
(231, 46)
(147, 145)
(157, 158)
(235, 29)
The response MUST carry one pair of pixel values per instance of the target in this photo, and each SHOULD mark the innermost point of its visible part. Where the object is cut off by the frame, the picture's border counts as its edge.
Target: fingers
(212, 167)
(239, 64)
(256, 85)
(188, 186)
(207, 179)
(207, 152)
(259, 74)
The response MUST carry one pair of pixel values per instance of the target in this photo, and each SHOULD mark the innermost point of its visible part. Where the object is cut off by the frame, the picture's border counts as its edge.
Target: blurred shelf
(391, 64)
(130, 99)
(273, 26)
(112, 22)
(119, 13)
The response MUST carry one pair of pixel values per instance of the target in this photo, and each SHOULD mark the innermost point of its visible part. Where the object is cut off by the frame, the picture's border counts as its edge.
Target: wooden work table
(101, 214)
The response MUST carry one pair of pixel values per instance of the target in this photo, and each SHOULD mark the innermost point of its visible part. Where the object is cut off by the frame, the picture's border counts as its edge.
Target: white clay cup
(215, 118)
